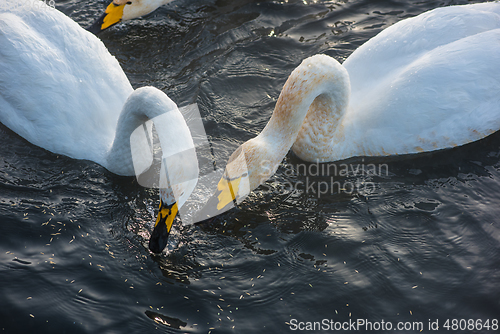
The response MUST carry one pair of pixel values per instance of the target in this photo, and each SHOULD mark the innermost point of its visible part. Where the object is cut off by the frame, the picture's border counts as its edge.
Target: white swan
(60, 89)
(426, 83)
(123, 10)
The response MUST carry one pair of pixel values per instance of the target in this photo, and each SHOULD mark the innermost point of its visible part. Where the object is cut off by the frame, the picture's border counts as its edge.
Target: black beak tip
(95, 28)
(210, 210)
(159, 238)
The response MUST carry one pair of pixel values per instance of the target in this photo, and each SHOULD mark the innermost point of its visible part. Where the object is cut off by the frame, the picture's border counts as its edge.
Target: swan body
(124, 10)
(60, 89)
(426, 83)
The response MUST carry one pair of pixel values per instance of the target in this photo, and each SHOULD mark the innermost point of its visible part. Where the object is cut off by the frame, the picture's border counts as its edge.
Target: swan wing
(431, 92)
(403, 43)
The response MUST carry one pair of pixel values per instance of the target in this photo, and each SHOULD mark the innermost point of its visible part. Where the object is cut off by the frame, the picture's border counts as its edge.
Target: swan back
(403, 43)
(52, 82)
(427, 83)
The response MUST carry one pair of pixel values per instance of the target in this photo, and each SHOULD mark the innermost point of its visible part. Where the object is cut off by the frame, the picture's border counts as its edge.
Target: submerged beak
(222, 200)
(111, 16)
(164, 221)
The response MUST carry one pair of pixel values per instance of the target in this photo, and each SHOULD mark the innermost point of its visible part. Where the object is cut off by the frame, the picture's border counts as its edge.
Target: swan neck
(133, 142)
(320, 86)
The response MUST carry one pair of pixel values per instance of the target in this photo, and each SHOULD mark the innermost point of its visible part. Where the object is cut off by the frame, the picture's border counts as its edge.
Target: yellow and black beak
(111, 16)
(163, 225)
(222, 200)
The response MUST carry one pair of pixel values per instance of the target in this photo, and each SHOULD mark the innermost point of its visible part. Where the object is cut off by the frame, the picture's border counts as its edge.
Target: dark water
(410, 239)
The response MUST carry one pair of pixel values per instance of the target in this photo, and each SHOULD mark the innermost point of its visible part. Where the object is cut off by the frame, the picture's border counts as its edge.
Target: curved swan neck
(143, 104)
(132, 149)
(316, 91)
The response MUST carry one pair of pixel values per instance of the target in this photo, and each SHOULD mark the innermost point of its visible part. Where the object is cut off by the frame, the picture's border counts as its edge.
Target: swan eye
(129, 2)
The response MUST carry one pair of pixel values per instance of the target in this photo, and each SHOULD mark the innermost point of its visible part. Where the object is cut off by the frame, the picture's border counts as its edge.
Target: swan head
(173, 194)
(248, 167)
(123, 10)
